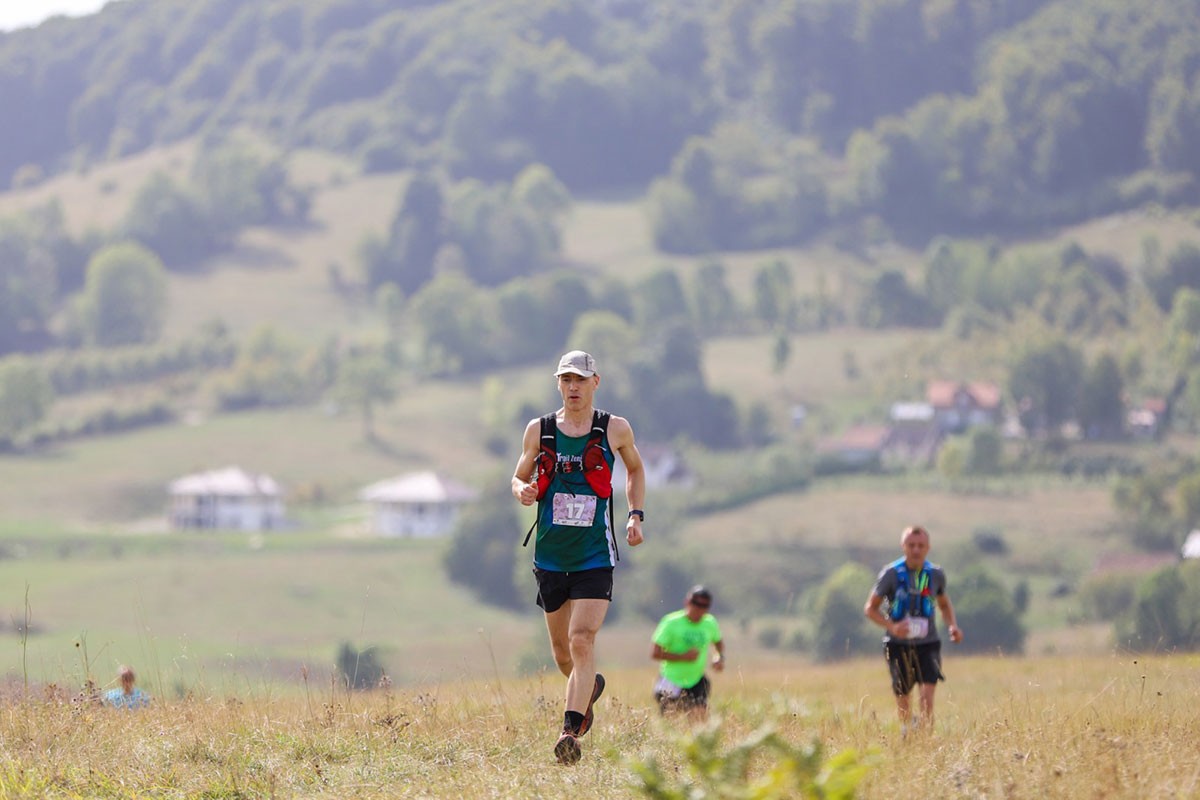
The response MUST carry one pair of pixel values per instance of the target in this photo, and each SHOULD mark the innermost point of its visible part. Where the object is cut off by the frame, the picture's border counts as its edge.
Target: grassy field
(246, 610)
(191, 604)
(237, 634)
(118, 480)
(1077, 729)
(98, 197)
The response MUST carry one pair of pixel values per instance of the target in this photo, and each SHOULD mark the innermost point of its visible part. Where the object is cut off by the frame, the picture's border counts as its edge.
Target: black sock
(572, 720)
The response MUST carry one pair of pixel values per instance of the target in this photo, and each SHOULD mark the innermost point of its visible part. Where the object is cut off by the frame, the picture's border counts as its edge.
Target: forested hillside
(966, 132)
(936, 115)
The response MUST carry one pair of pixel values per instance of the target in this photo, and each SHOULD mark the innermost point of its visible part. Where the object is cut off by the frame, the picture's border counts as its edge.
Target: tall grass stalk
(24, 638)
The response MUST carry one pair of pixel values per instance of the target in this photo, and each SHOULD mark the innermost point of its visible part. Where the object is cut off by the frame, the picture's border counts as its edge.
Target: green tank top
(573, 530)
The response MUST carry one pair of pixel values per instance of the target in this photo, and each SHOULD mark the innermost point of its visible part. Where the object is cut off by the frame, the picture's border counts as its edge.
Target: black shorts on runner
(911, 664)
(556, 588)
(686, 700)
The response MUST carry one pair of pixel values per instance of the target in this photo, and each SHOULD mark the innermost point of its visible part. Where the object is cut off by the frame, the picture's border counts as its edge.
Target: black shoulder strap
(550, 432)
(599, 423)
(548, 443)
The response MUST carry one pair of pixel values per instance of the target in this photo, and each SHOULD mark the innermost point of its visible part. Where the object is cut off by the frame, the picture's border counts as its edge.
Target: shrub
(763, 765)
(769, 636)
(1166, 611)
(840, 628)
(359, 669)
(986, 611)
(989, 541)
(1107, 597)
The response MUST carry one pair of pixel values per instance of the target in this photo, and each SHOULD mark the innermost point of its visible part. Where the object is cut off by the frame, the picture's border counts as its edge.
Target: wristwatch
(641, 515)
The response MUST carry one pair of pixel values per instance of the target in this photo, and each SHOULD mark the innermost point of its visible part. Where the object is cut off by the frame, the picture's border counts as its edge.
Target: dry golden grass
(1122, 235)
(1038, 522)
(98, 198)
(615, 235)
(1120, 726)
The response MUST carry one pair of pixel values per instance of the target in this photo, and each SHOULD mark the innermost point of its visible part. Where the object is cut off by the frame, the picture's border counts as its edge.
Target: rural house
(1145, 420)
(226, 499)
(914, 438)
(1191, 545)
(958, 406)
(419, 504)
(859, 447)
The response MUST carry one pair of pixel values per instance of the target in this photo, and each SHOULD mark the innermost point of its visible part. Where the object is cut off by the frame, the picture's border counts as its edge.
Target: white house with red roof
(959, 405)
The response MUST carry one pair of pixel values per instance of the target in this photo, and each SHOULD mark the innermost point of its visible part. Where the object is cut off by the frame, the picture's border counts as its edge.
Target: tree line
(759, 123)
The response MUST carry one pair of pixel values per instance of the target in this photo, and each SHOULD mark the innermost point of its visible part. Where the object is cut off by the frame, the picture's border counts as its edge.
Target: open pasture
(1119, 726)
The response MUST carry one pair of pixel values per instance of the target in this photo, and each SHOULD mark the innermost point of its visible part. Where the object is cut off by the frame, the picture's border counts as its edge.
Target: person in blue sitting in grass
(126, 695)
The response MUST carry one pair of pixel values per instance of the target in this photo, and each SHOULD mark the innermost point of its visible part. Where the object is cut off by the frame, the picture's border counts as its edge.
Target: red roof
(942, 394)
(1156, 404)
(858, 437)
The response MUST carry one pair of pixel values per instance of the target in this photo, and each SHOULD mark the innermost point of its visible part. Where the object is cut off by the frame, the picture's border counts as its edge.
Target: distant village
(916, 430)
(426, 504)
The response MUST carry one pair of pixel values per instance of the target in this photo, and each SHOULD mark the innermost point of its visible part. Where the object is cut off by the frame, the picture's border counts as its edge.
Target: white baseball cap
(577, 361)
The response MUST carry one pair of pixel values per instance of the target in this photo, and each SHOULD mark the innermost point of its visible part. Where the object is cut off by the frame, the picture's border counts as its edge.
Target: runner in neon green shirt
(681, 643)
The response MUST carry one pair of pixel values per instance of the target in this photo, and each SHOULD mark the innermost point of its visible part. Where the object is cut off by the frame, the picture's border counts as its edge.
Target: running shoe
(567, 749)
(588, 716)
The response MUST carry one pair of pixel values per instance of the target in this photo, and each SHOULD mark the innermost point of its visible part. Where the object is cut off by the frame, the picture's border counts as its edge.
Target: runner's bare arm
(873, 612)
(620, 437)
(947, 609)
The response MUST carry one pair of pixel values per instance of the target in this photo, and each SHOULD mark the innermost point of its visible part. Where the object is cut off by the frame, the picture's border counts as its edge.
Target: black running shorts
(686, 700)
(556, 588)
(911, 664)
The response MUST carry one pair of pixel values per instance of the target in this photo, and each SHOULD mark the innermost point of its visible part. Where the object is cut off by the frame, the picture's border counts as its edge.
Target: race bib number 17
(577, 510)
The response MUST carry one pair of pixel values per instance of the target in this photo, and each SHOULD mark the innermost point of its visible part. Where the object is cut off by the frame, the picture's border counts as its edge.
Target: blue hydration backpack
(913, 598)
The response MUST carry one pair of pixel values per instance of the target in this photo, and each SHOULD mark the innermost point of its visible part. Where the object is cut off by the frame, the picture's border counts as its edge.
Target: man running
(566, 468)
(681, 643)
(909, 588)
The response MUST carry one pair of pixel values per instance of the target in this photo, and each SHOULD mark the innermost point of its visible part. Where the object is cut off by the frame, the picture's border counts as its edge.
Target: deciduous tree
(124, 297)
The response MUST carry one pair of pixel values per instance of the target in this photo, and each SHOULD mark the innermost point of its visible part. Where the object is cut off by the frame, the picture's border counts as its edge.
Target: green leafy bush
(763, 766)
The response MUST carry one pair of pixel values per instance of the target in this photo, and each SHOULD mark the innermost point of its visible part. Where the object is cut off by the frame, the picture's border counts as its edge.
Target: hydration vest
(595, 468)
(912, 599)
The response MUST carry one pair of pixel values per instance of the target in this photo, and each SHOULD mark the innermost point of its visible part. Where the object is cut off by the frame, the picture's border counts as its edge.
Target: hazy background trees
(946, 115)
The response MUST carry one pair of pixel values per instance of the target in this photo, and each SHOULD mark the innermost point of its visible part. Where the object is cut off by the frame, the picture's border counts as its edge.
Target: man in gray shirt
(903, 602)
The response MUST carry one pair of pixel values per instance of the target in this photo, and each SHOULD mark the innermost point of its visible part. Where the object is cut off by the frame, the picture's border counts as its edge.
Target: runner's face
(697, 608)
(576, 390)
(916, 548)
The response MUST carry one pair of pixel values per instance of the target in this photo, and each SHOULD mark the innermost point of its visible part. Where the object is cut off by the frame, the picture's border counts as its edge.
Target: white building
(1191, 545)
(958, 405)
(226, 499)
(419, 504)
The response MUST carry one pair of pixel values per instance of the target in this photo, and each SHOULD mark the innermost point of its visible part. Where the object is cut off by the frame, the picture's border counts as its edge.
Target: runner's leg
(586, 617)
(558, 626)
